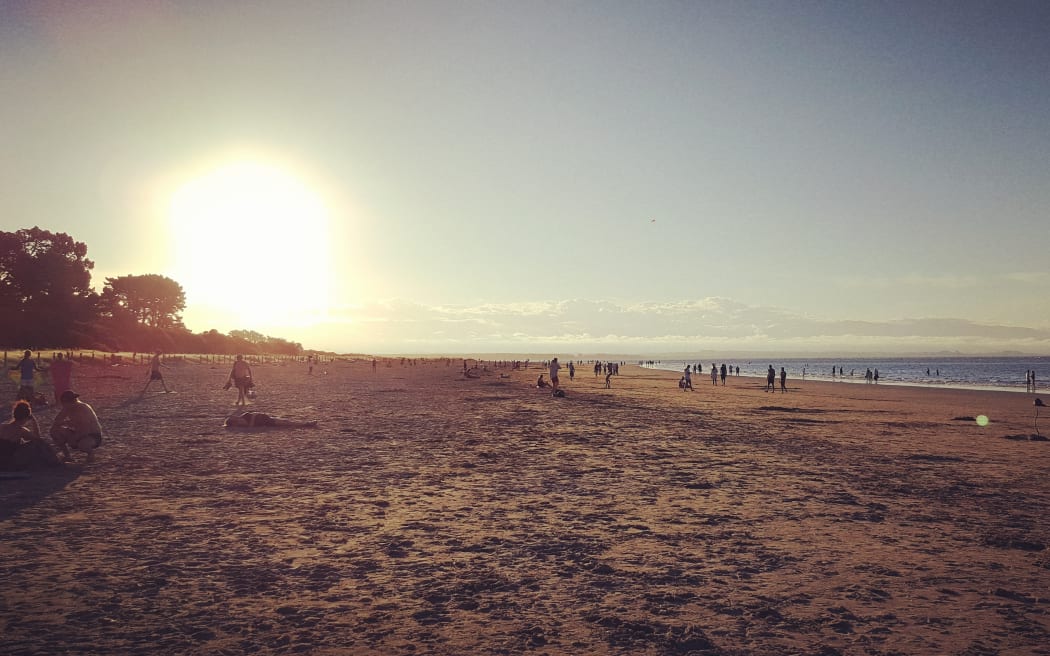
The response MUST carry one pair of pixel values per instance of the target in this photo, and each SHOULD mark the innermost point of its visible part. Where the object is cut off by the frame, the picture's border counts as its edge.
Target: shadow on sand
(17, 494)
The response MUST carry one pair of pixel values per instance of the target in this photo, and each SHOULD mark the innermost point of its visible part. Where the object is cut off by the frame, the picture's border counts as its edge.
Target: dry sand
(433, 513)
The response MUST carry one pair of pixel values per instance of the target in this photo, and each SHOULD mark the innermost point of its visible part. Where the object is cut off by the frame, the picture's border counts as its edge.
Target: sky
(564, 177)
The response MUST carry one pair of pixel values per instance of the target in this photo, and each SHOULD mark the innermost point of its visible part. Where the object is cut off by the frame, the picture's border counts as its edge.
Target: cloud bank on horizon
(704, 325)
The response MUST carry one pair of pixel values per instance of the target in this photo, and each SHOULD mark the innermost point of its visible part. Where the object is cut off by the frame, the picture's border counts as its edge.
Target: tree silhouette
(151, 300)
(46, 300)
(45, 288)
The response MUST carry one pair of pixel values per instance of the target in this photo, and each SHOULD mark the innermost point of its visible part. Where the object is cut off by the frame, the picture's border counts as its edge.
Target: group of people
(1029, 380)
(771, 379)
(61, 371)
(75, 427)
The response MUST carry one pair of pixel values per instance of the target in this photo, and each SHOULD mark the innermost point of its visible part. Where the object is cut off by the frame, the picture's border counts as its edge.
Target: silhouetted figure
(154, 372)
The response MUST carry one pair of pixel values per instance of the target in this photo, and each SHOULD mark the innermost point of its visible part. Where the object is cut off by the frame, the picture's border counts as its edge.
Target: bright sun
(251, 247)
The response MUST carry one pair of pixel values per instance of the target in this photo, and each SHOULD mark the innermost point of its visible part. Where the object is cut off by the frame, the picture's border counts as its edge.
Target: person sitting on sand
(20, 444)
(241, 376)
(76, 425)
(260, 419)
(540, 382)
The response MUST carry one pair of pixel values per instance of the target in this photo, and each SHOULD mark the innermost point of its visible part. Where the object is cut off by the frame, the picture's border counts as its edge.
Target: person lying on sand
(260, 419)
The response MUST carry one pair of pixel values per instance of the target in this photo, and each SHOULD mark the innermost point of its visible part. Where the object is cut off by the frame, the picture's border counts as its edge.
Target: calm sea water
(960, 372)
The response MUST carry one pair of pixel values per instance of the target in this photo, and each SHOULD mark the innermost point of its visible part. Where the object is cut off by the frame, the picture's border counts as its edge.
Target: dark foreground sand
(437, 514)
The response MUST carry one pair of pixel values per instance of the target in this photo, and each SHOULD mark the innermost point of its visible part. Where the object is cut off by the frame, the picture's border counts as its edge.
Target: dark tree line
(46, 301)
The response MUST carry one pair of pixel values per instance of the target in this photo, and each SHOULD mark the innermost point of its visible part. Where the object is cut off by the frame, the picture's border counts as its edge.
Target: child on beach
(154, 373)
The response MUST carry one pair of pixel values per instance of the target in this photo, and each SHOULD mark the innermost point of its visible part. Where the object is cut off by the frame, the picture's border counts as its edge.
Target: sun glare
(251, 247)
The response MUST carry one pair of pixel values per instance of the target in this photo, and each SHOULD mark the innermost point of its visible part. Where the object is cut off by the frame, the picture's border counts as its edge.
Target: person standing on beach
(688, 378)
(722, 372)
(572, 372)
(783, 380)
(27, 370)
(61, 375)
(154, 372)
(554, 367)
(771, 376)
(875, 376)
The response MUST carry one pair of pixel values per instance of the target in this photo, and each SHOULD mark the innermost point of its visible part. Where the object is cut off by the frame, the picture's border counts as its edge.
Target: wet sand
(433, 513)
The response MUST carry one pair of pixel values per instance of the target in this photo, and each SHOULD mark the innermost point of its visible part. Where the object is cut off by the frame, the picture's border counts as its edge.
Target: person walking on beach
(241, 377)
(61, 375)
(154, 372)
(771, 376)
(722, 373)
(554, 367)
(783, 380)
(77, 426)
(688, 379)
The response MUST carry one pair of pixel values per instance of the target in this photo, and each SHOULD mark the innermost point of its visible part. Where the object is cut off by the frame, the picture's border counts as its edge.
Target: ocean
(989, 373)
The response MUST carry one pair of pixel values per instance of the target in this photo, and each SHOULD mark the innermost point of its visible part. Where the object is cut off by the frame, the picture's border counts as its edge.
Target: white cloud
(710, 324)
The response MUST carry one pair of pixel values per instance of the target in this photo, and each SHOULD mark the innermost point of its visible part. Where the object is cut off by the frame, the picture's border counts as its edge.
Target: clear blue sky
(563, 176)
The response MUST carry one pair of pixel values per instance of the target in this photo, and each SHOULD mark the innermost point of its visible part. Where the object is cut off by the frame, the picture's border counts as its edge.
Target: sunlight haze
(574, 176)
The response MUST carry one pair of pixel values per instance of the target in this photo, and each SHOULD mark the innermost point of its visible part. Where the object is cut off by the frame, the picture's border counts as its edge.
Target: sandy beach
(435, 513)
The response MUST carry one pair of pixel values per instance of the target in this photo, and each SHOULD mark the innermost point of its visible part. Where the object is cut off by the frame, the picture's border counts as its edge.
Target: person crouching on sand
(260, 419)
(76, 425)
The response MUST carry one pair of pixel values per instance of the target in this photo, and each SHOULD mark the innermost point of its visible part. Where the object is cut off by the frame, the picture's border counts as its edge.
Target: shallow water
(993, 373)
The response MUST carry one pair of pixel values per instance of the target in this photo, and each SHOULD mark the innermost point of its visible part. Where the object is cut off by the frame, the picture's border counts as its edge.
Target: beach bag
(559, 393)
